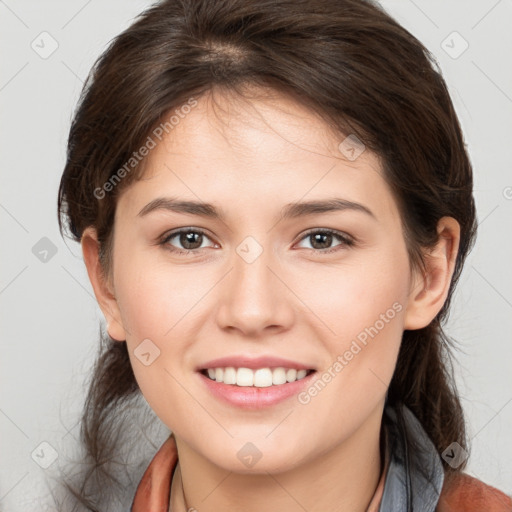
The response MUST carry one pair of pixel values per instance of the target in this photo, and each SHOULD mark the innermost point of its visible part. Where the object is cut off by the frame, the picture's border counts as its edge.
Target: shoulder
(464, 493)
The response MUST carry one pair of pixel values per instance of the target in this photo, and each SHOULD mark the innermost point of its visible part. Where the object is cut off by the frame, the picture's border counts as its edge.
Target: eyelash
(346, 240)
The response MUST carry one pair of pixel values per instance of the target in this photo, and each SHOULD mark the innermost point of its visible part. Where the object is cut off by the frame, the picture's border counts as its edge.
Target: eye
(321, 239)
(191, 239)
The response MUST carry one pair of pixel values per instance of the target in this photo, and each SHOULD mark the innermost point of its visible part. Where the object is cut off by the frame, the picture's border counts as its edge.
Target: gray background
(49, 316)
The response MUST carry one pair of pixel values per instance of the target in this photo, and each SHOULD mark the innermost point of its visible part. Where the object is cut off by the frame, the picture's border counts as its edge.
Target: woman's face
(261, 278)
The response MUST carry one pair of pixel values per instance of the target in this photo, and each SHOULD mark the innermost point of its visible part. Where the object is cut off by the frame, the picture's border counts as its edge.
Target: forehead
(230, 150)
(263, 124)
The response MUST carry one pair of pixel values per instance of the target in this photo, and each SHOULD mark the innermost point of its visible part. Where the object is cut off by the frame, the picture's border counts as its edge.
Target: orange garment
(468, 494)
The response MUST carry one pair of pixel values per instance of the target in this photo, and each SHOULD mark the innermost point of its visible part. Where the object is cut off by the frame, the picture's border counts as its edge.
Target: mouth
(258, 378)
(255, 389)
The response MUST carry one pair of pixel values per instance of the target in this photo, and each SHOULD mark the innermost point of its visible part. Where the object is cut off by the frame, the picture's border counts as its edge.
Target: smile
(254, 389)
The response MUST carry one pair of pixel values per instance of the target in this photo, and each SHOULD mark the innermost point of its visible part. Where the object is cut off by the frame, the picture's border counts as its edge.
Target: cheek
(158, 307)
(367, 318)
(360, 307)
(152, 296)
(351, 296)
(155, 311)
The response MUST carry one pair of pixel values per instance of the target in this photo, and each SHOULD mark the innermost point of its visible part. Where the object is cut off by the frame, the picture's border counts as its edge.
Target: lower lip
(249, 397)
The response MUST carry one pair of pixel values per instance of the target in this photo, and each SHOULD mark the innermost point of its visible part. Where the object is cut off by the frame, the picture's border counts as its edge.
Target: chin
(259, 456)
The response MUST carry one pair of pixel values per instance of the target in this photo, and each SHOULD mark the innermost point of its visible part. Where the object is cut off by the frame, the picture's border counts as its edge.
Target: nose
(255, 299)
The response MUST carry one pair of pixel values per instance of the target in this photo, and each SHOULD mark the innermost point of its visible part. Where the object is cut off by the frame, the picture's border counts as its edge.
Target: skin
(249, 159)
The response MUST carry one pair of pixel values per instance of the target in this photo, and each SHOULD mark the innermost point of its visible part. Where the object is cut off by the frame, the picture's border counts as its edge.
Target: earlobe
(430, 290)
(101, 286)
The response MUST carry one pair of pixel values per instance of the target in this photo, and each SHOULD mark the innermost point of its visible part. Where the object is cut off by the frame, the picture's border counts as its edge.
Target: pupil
(326, 237)
(188, 238)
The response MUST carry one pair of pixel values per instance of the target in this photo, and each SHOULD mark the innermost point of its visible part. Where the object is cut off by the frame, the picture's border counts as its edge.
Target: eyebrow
(289, 211)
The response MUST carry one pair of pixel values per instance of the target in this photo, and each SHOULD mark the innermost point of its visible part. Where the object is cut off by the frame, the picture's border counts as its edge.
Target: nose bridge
(254, 298)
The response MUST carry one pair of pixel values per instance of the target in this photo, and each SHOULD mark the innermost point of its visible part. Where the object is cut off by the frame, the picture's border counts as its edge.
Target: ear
(103, 289)
(429, 291)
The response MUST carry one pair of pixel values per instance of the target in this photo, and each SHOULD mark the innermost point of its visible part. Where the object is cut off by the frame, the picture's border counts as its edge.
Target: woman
(274, 203)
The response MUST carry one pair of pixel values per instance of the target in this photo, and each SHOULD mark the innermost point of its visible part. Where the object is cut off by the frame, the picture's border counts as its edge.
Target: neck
(343, 478)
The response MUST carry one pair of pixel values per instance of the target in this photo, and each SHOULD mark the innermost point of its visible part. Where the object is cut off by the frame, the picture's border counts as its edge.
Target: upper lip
(253, 363)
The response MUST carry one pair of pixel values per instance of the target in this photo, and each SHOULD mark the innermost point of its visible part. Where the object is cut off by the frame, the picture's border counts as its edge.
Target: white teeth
(244, 377)
(278, 376)
(301, 374)
(260, 378)
(230, 375)
(291, 375)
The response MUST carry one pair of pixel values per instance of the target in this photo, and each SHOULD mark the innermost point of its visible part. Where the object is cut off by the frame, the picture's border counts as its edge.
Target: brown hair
(346, 59)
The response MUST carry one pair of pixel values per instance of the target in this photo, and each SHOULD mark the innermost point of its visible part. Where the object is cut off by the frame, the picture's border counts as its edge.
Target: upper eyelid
(341, 234)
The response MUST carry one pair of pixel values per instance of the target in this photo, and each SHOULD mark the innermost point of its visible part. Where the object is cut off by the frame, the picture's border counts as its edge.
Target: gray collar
(415, 472)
